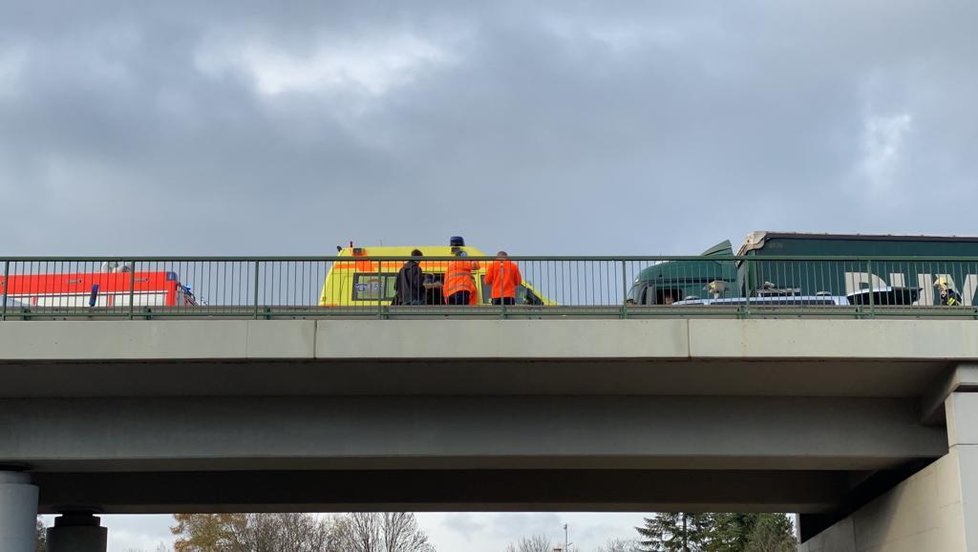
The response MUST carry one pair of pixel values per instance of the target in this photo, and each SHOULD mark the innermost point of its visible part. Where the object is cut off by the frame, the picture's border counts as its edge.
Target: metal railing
(623, 287)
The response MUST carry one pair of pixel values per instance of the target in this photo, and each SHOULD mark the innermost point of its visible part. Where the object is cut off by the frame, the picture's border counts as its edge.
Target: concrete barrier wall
(924, 513)
(935, 509)
(459, 338)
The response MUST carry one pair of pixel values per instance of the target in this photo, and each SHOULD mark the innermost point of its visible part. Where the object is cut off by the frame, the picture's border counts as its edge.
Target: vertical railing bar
(6, 287)
(257, 266)
(132, 289)
(624, 288)
(869, 276)
(747, 285)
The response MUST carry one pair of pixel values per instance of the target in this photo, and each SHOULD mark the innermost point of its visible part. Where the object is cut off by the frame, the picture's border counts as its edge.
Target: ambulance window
(526, 297)
(532, 299)
(371, 287)
(486, 291)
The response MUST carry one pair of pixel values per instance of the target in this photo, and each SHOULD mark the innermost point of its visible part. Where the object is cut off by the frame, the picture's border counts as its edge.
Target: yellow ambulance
(358, 280)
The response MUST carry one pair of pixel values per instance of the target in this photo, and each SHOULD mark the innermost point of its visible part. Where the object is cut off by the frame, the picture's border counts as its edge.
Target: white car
(885, 296)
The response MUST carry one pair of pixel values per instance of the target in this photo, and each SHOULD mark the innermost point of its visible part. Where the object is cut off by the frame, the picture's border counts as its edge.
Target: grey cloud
(584, 128)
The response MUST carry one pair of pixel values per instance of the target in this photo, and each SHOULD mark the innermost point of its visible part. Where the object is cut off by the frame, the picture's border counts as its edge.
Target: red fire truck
(97, 289)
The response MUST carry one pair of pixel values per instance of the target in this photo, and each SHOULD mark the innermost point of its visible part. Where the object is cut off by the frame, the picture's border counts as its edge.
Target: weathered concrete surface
(77, 532)
(474, 339)
(568, 413)
(922, 513)
(135, 340)
(834, 339)
(473, 357)
(503, 338)
(520, 490)
(935, 509)
(465, 432)
(18, 511)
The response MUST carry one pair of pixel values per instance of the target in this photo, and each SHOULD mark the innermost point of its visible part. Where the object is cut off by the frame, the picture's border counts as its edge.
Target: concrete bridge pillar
(935, 509)
(77, 532)
(18, 512)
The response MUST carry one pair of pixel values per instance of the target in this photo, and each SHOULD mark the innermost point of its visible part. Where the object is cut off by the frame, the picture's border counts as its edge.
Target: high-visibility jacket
(503, 275)
(950, 298)
(458, 277)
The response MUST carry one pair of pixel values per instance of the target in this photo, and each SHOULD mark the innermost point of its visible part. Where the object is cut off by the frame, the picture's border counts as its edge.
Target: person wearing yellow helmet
(949, 297)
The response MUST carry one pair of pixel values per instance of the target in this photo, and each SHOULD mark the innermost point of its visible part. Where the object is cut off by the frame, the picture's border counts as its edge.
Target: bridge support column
(18, 512)
(77, 532)
(935, 509)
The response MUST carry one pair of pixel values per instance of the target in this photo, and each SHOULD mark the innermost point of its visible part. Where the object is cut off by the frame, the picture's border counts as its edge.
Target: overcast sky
(546, 127)
(560, 126)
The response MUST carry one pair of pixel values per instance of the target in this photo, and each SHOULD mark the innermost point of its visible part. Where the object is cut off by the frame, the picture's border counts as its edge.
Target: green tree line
(716, 532)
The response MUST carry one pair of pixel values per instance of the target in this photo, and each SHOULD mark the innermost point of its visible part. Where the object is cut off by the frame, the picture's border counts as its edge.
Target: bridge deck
(440, 414)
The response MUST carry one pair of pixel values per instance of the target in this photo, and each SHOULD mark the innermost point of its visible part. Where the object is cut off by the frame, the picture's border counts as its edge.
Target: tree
(359, 532)
(40, 537)
(771, 533)
(381, 532)
(402, 534)
(620, 545)
(536, 543)
(731, 532)
(209, 532)
(676, 532)
(289, 532)
(751, 533)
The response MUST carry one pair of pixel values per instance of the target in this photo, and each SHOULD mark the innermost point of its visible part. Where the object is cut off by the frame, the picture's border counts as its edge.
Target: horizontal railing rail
(141, 287)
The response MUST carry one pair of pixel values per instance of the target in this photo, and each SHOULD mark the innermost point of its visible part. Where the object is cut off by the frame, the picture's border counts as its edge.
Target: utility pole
(567, 543)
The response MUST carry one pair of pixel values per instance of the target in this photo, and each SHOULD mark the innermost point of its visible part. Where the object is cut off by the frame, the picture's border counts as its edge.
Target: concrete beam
(468, 377)
(447, 490)
(960, 378)
(211, 433)
(934, 509)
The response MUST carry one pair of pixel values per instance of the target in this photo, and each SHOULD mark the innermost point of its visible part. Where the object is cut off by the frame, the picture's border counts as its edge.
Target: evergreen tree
(726, 532)
(731, 532)
(676, 532)
(771, 533)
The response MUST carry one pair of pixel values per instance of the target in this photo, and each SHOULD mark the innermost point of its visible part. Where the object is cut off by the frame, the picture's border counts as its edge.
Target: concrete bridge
(864, 427)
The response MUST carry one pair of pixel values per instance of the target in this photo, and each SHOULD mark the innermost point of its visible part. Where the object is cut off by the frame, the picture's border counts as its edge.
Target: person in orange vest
(504, 276)
(459, 286)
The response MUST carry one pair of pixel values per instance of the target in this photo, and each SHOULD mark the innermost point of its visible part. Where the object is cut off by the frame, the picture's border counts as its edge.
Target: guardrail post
(380, 291)
(624, 291)
(745, 291)
(6, 276)
(132, 290)
(257, 266)
(869, 276)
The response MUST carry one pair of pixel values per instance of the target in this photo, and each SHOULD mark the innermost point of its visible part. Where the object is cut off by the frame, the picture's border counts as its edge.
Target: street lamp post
(567, 544)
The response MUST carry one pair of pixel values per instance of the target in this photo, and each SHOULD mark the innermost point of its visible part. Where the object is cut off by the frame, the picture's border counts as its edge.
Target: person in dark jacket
(409, 284)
